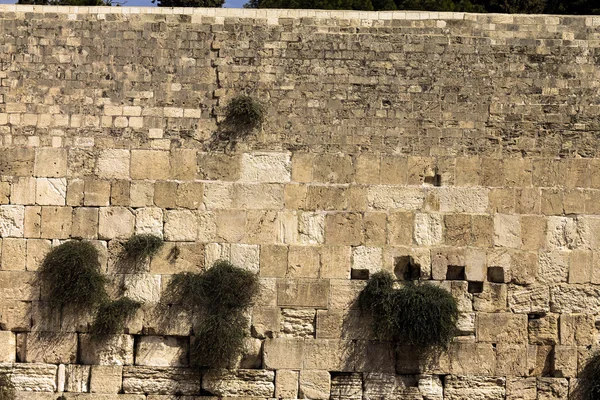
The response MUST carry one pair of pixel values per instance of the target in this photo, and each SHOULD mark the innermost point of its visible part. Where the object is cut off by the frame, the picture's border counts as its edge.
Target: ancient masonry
(391, 140)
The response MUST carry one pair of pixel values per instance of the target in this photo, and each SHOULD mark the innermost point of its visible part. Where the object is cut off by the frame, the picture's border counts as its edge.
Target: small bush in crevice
(71, 275)
(420, 315)
(588, 382)
(242, 116)
(218, 297)
(136, 250)
(7, 389)
(112, 316)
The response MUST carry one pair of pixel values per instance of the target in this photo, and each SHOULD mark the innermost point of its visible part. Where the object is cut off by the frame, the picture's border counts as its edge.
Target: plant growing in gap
(137, 249)
(420, 315)
(112, 316)
(243, 115)
(588, 382)
(218, 297)
(71, 275)
(7, 388)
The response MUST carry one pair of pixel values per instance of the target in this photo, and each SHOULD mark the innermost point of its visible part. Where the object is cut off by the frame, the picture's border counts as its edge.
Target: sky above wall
(148, 3)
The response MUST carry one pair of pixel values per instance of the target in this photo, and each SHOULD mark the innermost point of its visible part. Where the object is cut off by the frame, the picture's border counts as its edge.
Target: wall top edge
(297, 13)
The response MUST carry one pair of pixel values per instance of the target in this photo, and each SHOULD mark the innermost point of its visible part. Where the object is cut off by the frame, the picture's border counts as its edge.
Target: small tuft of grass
(421, 315)
(243, 112)
(588, 382)
(137, 249)
(71, 273)
(218, 297)
(112, 316)
(7, 388)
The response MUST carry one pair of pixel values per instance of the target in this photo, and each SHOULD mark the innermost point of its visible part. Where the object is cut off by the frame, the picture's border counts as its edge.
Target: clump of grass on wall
(218, 297)
(71, 275)
(137, 249)
(243, 112)
(588, 382)
(112, 316)
(421, 315)
(7, 389)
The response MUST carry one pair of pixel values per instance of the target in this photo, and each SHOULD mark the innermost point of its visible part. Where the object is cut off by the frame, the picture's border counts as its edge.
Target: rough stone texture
(48, 347)
(161, 351)
(466, 387)
(112, 350)
(161, 380)
(106, 378)
(314, 384)
(241, 382)
(31, 377)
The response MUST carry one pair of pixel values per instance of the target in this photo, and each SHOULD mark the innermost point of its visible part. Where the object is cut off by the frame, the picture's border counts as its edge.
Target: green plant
(7, 389)
(244, 112)
(137, 249)
(421, 315)
(218, 298)
(588, 384)
(71, 275)
(112, 315)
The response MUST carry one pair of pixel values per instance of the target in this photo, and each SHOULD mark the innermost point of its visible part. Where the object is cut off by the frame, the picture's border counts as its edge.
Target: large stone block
(19, 285)
(113, 164)
(150, 164)
(48, 347)
(50, 162)
(462, 200)
(96, 193)
(115, 223)
(314, 384)
(14, 254)
(163, 351)
(303, 262)
(259, 196)
(77, 378)
(11, 220)
(8, 347)
(428, 229)
(286, 384)
(266, 167)
(17, 161)
(382, 197)
(22, 191)
(303, 293)
(30, 378)
(283, 353)
(178, 257)
(470, 387)
(111, 350)
(149, 220)
(502, 327)
(343, 229)
(51, 191)
(161, 380)
(106, 379)
(297, 323)
(85, 223)
(240, 382)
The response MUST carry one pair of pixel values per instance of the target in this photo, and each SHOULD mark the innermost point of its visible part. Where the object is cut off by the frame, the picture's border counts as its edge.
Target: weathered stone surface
(314, 385)
(11, 221)
(47, 347)
(77, 378)
(462, 200)
(115, 222)
(346, 386)
(241, 382)
(144, 288)
(381, 197)
(50, 162)
(379, 386)
(106, 378)
(51, 191)
(266, 167)
(112, 350)
(149, 220)
(297, 323)
(467, 387)
(8, 347)
(501, 327)
(283, 353)
(428, 229)
(181, 225)
(286, 384)
(31, 377)
(521, 388)
(552, 388)
(575, 299)
(149, 164)
(303, 293)
(113, 164)
(161, 380)
(162, 351)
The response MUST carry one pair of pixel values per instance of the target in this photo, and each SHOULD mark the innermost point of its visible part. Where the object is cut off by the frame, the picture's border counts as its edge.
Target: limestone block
(576, 329)
(17, 161)
(565, 361)
(183, 164)
(141, 194)
(8, 347)
(251, 354)
(343, 229)
(190, 195)
(302, 293)
(112, 350)
(389, 386)
(430, 386)
(553, 266)
(144, 288)
(368, 168)
(511, 359)
(11, 220)
(383, 197)
(367, 258)
(113, 164)
(218, 195)
(165, 194)
(283, 353)
(106, 378)
(96, 193)
(56, 222)
(482, 227)
(311, 228)
(163, 351)
(335, 262)
(501, 327)
(428, 229)
(580, 266)
(466, 323)
(115, 223)
(462, 200)
(265, 322)
(239, 382)
(346, 386)
(303, 262)
(207, 226)
(543, 329)
(266, 167)
(77, 378)
(18, 285)
(15, 315)
(552, 388)
(47, 347)
(263, 226)
(368, 356)
(120, 193)
(442, 258)
(85, 223)
(494, 298)
(161, 380)
(273, 260)
(533, 232)
(475, 269)
(375, 228)
(302, 167)
(297, 323)
(521, 388)
(219, 166)
(32, 377)
(150, 164)
(400, 228)
(14, 254)
(507, 231)
(566, 233)
(166, 319)
(178, 257)
(22, 191)
(75, 192)
(50, 162)
(259, 196)
(472, 387)
(231, 226)
(523, 267)
(314, 384)
(333, 168)
(526, 299)
(343, 292)
(457, 229)
(245, 256)
(51, 191)
(286, 384)
(149, 220)
(328, 355)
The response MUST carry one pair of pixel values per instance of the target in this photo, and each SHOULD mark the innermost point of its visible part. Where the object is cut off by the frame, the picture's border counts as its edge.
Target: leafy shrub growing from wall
(71, 275)
(420, 315)
(219, 298)
(243, 115)
(137, 249)
(7, 389)
(112, 316)
(588, 384)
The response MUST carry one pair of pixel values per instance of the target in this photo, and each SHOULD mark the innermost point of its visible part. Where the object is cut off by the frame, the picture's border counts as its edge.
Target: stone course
(462, 146)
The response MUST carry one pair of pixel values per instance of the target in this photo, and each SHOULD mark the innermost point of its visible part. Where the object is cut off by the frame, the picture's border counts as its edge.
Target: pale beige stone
(115, 222)
(311, 228)
(77, 378)
(47, 347)
(476, 266)
(149, 164)
(113, 164)
(231, 225)
(141, 194)
(461, 200)
(314, 384)
(568, 233)
(502, 327)
(507, 231)
(96, 193)
(149, 220)
(283, 353)
(163, 351)
(286, 384)
(190, 195)
(56, 222)
(106, 378)
(259, 196)
(8, 347)
(178, 257)
(297, 323)
(333, 355)
(218, 195)
(18, 285)
(521, 388)
(111, 350)
(183, 164)
(303, 262)
(428, 229)
(51, 191)
(144, 288)
(239, 383)
(471, 387)
(245, 256)
(382, 197)
(15, 315)
(14, 254)
(367, 258)
(552, 388)
(303, 293)
(335, 262)
(511, 359)
(50, 162)
(85, 223)
(553, 266)
(23, 191)
(565, 361)
(266, 167)
(29, 378)
(181, 225)
(161, 380)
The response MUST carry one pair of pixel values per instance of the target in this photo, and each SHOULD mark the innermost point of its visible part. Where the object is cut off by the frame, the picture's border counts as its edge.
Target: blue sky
(148, 3)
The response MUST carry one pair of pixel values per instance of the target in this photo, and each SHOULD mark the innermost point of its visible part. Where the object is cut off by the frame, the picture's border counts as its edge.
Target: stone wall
(445, 140)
